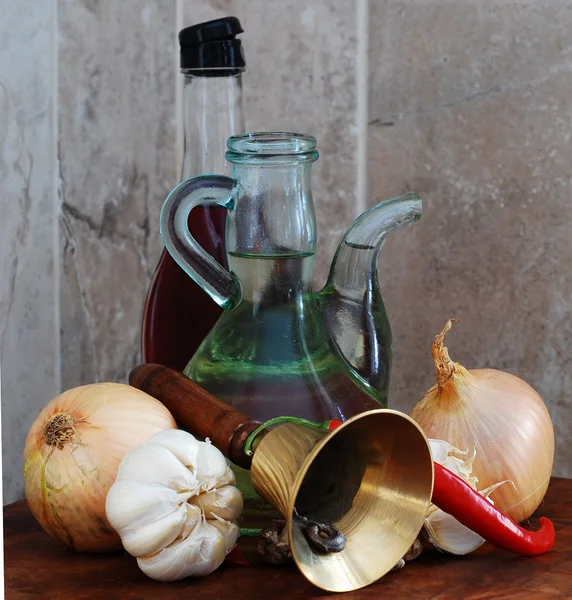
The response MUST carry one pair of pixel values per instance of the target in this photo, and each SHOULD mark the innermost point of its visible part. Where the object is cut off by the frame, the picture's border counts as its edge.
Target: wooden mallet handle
(197, 411)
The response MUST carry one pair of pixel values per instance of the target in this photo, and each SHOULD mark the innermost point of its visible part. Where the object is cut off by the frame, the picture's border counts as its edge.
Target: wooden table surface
(38, 567)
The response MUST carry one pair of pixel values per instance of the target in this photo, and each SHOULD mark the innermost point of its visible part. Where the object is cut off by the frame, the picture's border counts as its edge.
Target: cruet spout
(351, 301)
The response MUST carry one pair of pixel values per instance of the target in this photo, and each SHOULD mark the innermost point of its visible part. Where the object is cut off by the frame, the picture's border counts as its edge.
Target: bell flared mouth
(265, 146)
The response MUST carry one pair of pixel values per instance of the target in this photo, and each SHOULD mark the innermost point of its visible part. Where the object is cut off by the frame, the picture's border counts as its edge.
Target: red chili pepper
(235, 557)
(459, 499)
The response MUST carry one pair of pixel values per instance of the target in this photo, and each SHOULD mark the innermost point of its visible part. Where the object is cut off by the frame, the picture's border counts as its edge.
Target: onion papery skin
(66, 486)
(506, 421)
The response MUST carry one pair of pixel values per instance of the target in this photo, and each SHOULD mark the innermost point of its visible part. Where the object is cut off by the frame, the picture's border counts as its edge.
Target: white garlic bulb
(174, 506)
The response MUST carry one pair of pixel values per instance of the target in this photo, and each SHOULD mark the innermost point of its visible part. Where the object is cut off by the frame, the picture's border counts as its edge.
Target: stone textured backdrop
(468, 104)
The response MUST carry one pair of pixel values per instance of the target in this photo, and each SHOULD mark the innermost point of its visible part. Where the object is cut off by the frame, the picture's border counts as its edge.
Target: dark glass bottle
(178, 314)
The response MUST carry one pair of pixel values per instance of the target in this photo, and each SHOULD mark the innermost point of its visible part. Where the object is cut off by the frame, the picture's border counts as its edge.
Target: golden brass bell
(372, 478)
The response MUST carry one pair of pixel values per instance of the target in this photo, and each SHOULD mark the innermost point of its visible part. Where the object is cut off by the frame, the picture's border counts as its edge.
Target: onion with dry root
(72, 454)
(502, 419)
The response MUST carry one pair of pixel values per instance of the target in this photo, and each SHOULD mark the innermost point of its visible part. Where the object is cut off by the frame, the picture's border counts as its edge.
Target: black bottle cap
(212, 45)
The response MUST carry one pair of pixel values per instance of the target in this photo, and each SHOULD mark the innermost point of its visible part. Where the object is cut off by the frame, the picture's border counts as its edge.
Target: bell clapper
(324, 536)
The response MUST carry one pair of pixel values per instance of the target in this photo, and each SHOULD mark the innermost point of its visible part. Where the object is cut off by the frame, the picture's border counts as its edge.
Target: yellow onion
(501, 418)
(72, 454)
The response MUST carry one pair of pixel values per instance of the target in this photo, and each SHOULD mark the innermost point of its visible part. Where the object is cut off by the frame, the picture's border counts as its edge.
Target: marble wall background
(29, 264)
(467, 104)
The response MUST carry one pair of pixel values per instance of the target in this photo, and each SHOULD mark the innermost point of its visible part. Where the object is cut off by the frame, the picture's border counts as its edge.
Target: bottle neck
(274, 212)
(213, 111)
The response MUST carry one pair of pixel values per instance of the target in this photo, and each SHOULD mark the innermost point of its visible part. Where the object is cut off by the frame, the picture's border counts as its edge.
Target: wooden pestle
(197, 411)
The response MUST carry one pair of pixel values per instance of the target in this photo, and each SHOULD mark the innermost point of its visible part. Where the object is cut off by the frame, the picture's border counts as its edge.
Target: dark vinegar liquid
(178, 314)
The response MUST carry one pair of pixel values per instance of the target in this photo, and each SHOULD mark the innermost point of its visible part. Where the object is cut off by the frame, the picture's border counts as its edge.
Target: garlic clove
(155, 465)
(129, 502)
(448, 535)
(199, 554)
(225, 502)
(148, 517)
(229, 478)
(211, 467)
(194, 517)
(150, 538)
(184, 446)
(230, 532)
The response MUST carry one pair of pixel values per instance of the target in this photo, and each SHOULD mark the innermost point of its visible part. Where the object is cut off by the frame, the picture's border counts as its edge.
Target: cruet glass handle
(223, 286)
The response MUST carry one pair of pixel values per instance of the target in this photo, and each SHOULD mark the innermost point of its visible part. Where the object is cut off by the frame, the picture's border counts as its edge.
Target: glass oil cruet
(279, 348)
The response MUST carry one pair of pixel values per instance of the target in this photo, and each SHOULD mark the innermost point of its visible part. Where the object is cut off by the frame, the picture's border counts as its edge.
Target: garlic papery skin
(174, 506)
(444, 454)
